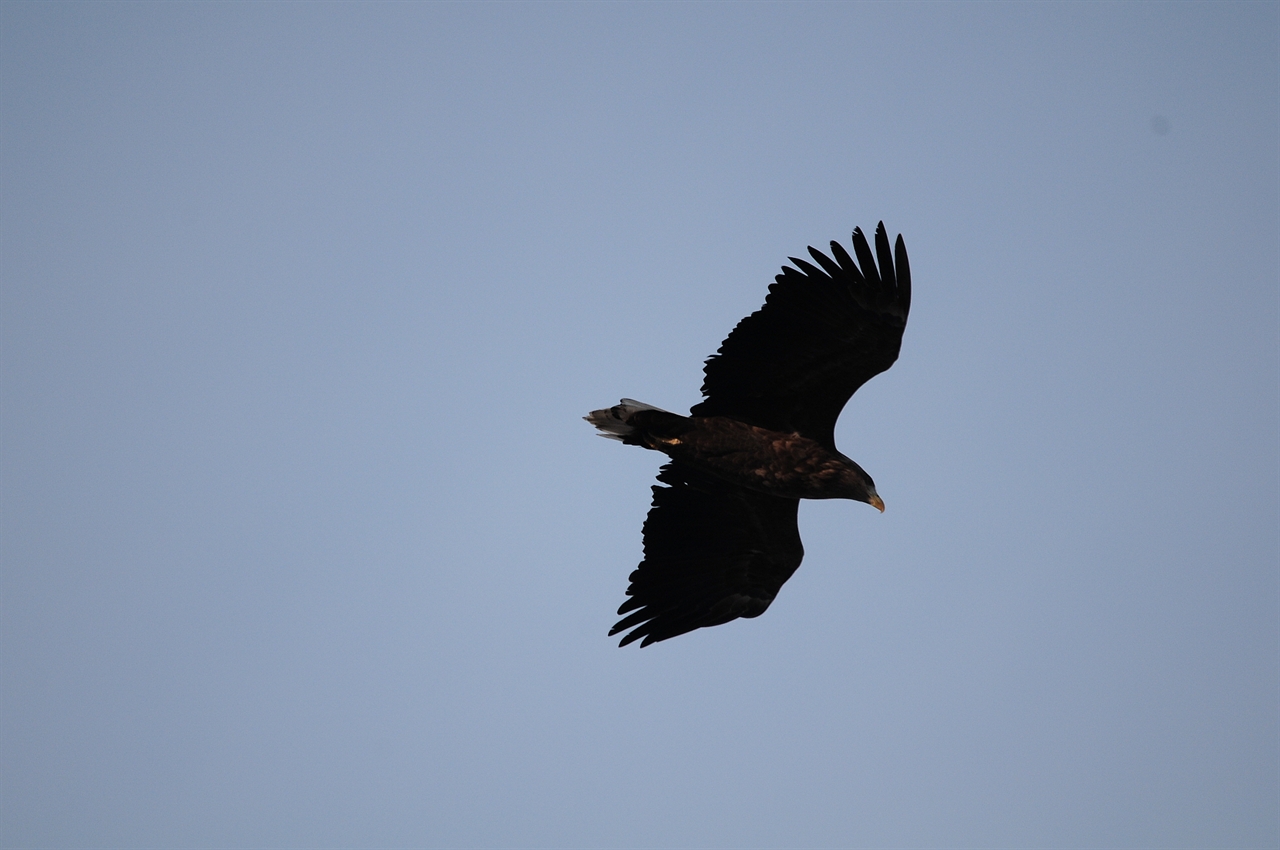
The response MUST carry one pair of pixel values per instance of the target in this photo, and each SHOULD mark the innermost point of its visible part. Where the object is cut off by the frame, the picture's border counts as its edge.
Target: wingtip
(629, 638)
(903, 268)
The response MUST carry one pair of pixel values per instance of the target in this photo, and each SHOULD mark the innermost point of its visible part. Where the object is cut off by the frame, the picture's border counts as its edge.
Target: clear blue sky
(304, 540)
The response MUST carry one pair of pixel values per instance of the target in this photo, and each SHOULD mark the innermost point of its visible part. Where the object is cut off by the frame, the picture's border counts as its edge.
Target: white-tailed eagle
(721, 538)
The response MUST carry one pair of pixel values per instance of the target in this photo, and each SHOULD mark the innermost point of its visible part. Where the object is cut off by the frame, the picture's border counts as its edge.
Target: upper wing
(713, 552)
(822, 333)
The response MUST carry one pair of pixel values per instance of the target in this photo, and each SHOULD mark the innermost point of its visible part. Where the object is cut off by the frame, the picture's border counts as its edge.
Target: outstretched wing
(821, 334)
(713, 552)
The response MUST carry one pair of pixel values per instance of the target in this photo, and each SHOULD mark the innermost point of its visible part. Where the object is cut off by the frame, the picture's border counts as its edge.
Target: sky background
(306, 544)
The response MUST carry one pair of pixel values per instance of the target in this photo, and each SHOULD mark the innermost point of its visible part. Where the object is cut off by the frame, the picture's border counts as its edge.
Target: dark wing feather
(713, 552)
(821, 334)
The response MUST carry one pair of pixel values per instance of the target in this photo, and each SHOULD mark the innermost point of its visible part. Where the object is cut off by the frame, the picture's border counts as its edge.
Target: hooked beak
(876, 502)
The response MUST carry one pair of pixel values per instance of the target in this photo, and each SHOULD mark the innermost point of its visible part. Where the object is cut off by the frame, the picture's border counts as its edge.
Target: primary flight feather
(721, 538)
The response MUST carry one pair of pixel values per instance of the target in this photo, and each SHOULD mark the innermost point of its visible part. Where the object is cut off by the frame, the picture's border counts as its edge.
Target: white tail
(612, 421)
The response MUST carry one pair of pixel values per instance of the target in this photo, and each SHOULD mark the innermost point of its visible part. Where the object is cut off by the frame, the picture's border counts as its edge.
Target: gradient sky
(306, 544)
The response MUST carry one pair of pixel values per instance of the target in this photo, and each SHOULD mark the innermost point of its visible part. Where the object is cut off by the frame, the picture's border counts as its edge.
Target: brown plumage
(721, 538)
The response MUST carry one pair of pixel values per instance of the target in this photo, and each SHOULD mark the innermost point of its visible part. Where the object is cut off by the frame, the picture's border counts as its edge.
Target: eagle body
(721, 537)
(789, 466)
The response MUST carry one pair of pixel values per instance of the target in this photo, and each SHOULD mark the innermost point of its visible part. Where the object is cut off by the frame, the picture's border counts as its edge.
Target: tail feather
(614, 422)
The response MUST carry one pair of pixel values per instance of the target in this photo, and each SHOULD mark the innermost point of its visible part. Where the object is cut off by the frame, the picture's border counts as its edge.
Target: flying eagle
(721, 538)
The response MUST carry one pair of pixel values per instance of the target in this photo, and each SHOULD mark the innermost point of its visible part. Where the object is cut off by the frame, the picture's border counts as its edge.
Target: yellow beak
(876, 502)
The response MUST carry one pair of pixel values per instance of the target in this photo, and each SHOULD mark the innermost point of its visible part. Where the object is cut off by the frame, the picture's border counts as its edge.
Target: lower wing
(713, 552)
